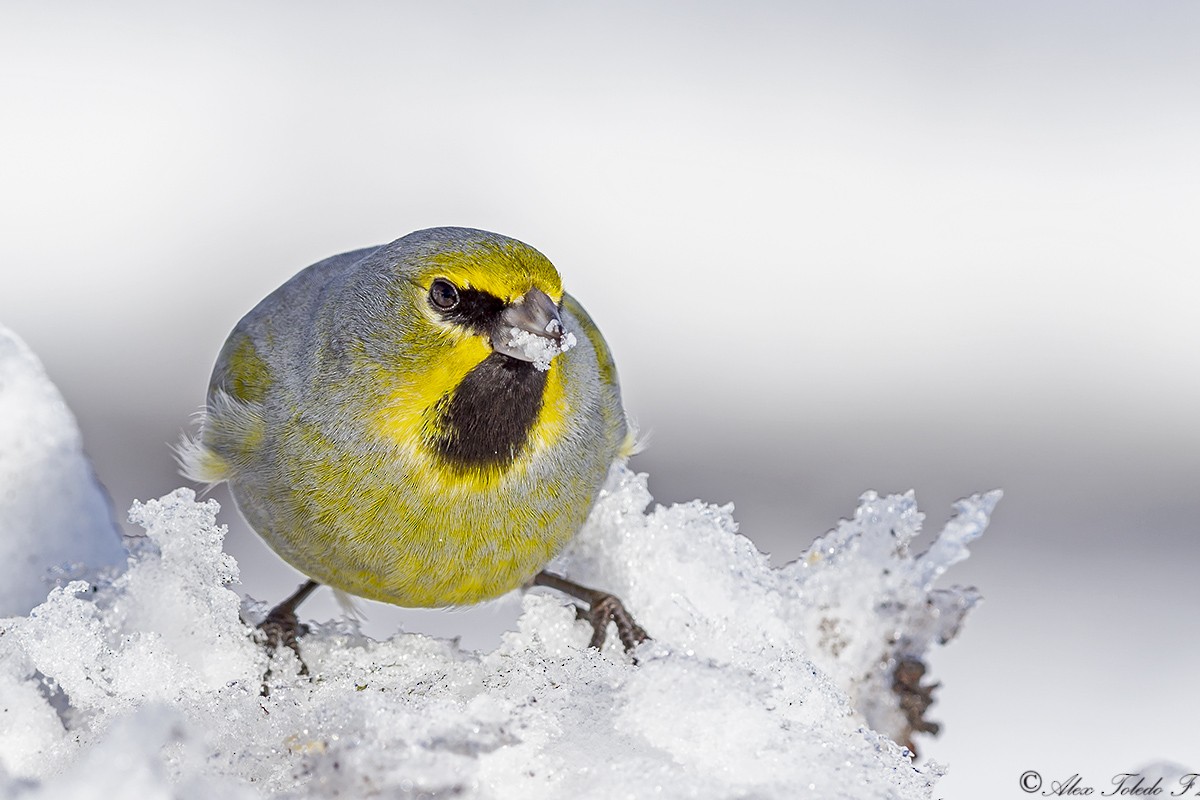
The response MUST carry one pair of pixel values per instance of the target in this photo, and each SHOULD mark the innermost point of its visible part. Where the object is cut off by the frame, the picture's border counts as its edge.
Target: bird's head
(476, 287)
(465, 345)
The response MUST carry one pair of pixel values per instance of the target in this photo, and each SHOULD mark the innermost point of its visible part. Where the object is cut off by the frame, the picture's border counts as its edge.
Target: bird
(425, 423)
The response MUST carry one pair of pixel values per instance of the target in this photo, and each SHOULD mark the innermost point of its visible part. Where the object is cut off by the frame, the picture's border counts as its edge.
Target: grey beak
(534, 313)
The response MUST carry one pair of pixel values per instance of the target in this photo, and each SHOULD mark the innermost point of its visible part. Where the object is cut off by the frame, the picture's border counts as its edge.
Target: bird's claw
(281, 628)
(605, 609)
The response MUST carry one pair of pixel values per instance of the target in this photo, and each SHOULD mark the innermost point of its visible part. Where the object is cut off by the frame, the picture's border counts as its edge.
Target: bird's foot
(282, 628)
(603, 608)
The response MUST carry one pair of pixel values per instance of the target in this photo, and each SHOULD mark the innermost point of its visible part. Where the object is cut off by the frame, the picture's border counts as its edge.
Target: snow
(539, 349)
(759, 682)
(53, 512)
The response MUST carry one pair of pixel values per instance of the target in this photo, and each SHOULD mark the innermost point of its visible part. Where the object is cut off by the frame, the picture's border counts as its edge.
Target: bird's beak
(531, 329)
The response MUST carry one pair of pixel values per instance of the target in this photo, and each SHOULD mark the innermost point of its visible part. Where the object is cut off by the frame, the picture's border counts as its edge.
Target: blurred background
(947, 246)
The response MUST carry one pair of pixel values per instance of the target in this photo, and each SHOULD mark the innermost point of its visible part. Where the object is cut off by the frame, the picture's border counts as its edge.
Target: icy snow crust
(759, 683)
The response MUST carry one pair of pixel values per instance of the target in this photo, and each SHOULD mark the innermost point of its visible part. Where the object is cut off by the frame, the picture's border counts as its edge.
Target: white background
(942, 246)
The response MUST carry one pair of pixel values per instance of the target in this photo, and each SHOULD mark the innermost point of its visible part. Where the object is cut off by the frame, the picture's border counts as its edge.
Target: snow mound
(760, 682)
(53, 512)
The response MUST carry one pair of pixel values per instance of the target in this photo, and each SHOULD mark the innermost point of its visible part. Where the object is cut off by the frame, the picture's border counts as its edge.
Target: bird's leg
(603, 608)
(283, 629)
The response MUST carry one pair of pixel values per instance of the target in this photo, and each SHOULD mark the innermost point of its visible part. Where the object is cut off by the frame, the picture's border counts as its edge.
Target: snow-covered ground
(759, 682)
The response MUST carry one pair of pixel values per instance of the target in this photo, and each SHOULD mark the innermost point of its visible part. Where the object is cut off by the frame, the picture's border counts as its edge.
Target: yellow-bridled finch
(425, 423)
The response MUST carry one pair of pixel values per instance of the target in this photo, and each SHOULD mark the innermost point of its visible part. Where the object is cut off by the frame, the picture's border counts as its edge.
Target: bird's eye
(443, 294)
